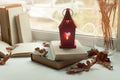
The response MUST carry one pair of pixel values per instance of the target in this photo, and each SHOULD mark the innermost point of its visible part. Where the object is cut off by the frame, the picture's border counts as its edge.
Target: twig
(106, 8)
(4, 59)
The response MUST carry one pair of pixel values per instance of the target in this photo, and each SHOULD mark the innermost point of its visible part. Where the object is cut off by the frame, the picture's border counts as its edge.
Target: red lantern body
(67, 31)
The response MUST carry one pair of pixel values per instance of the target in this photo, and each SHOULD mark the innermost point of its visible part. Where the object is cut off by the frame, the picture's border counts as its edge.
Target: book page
(26, 47)
(3, 47)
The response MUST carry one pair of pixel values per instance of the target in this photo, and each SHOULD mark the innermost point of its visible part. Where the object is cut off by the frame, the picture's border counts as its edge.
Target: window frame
(87, 40)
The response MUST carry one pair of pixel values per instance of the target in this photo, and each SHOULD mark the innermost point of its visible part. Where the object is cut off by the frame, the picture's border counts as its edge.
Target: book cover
(5, 32)
(23, 26)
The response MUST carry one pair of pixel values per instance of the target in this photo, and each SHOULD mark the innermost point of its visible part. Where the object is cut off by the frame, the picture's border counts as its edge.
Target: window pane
(47, 15)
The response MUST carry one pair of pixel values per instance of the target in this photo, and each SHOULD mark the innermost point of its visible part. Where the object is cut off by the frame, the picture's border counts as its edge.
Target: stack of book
(13, 30)
(58, 58)
(7, 21)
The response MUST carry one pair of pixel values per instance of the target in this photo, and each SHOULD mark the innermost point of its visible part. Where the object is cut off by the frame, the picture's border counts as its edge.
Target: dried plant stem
(6, 57)
(106, 9)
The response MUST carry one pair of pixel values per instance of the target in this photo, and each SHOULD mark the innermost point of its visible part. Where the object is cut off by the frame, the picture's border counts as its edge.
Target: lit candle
(67, 35)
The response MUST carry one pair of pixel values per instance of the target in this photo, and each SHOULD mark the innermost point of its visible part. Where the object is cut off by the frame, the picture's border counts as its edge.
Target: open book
(3, 50)
(20, 49)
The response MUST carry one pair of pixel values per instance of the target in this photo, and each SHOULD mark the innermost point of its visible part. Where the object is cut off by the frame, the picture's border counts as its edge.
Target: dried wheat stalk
(106, 8)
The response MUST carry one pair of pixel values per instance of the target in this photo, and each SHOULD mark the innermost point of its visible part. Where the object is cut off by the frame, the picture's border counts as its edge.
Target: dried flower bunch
(108, 11)
(102, 58)
(4, 59)
(92, 52)
(41, 52)
(2, 54)
(80, 67)
(97, 57)
(46, 44)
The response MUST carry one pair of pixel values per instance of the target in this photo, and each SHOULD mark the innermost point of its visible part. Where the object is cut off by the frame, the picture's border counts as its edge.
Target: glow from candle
(67, 35)
(67, 21)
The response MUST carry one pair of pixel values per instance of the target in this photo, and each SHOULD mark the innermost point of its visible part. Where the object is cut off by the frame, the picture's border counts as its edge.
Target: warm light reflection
(67, 21)
(67, 35)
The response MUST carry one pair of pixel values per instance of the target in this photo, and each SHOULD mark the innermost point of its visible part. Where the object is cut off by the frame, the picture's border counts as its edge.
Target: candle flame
(67, 35)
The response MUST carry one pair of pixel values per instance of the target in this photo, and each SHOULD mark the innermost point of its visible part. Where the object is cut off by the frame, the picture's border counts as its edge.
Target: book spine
(52, 52)
(43, 60)
(18, 28)
(5, 31)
